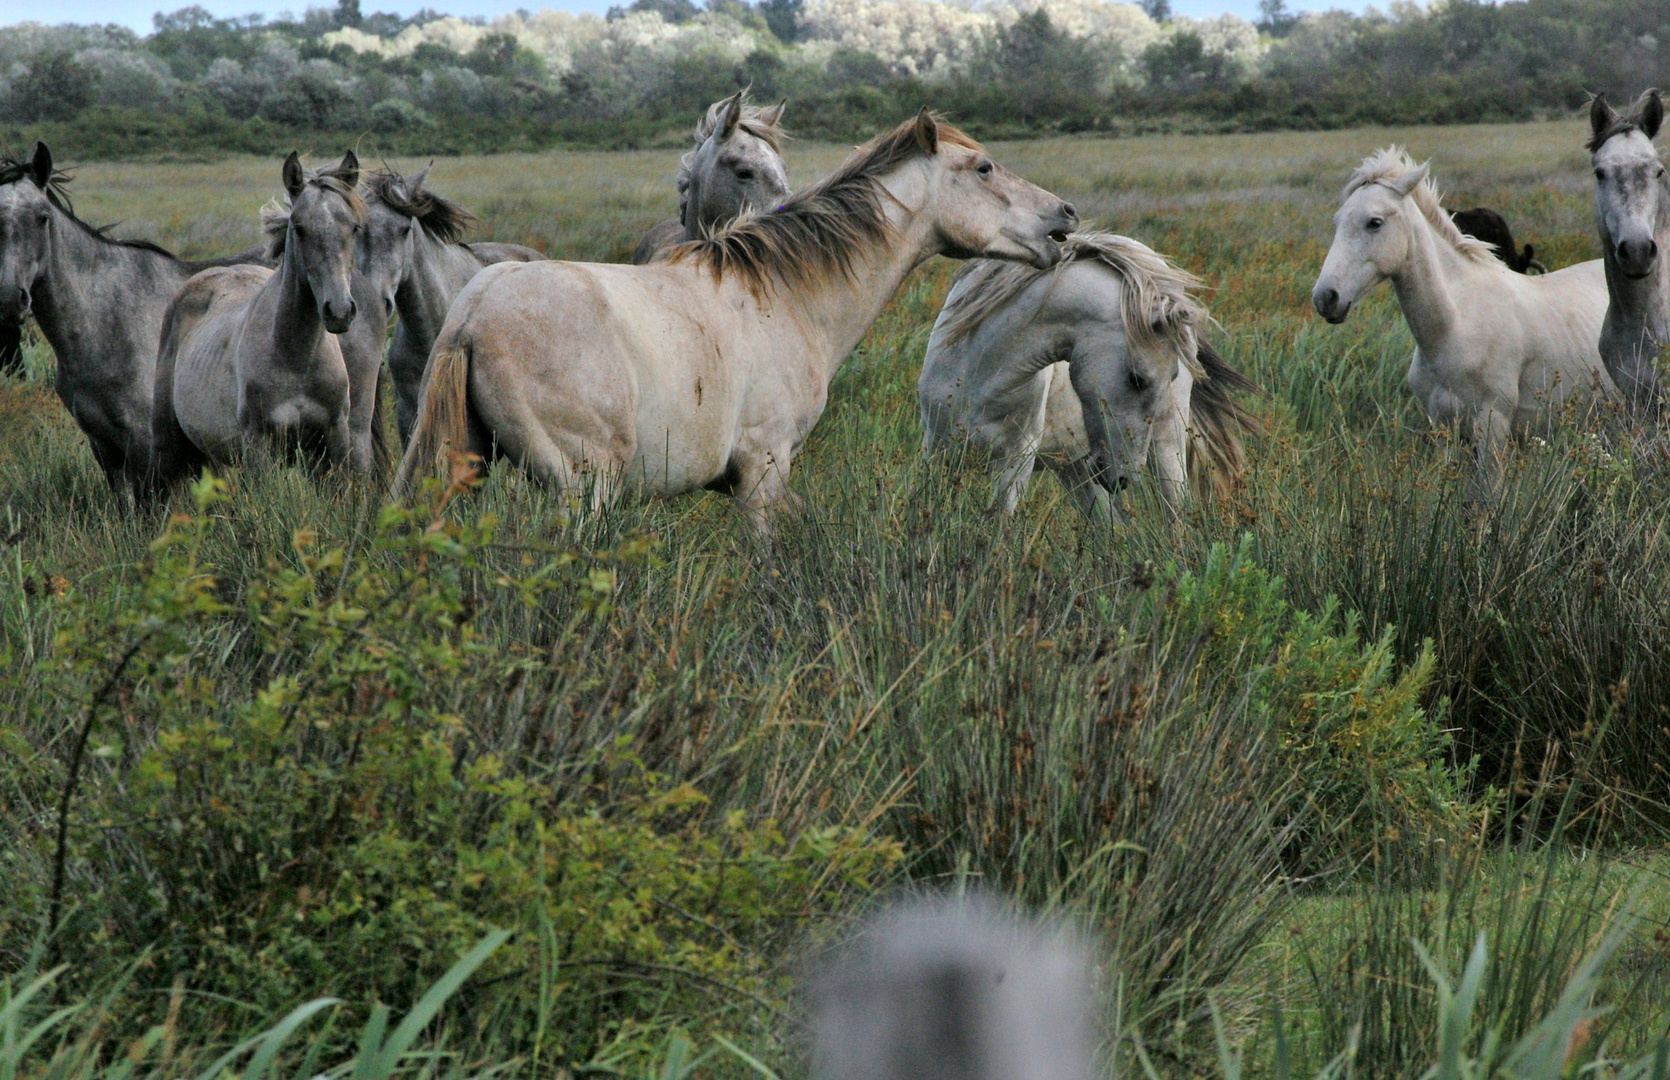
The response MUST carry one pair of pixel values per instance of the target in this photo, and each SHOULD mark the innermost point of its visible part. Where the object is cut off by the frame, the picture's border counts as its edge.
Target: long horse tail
(443, 414)
(1217, 461)
(381, 459)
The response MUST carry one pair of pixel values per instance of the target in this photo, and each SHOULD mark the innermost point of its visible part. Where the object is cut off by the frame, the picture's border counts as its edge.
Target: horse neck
(438, 271)
(836, 313)
(85, 280)
(1428, 282)
(295, 328)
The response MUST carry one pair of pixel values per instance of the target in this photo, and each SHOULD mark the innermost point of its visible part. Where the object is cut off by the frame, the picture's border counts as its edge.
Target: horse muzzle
(1329, 305)
(1637, 257)
(338, 317)
(15, 305)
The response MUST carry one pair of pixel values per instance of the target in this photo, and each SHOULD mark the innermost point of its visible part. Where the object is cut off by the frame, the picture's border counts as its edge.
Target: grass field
(1257, 750)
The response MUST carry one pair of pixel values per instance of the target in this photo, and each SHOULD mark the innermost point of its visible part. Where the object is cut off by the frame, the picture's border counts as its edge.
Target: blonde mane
(1162, 315)
(1161, 312)
(821, 229)
(1384, 166)
(275, 216)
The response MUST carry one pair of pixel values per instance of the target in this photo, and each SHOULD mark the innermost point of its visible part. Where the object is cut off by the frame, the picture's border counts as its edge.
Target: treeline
(434, 83)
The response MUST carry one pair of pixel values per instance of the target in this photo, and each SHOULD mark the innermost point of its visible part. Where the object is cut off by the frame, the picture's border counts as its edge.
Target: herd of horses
(707, 362)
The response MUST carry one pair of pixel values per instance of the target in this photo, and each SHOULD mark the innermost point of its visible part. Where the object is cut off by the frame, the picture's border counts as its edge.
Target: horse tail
(1217, 462)
(443, 414)
(381, 459)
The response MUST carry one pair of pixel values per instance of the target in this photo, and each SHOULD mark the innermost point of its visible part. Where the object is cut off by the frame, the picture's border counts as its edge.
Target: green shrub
(287, 795)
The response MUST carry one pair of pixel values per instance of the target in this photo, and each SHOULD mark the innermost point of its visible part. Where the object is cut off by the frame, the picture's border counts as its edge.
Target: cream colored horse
(1497, 353)
(1096, 368)
(710, 369)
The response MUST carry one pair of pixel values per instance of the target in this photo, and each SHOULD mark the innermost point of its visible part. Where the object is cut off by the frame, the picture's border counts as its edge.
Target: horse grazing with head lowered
(1632, 212)
(100, 304)
(411, 253)
(711, 368)
(736, 165)
(1497, 353)
(252, 361)
(1483, 223)
(1096, 367)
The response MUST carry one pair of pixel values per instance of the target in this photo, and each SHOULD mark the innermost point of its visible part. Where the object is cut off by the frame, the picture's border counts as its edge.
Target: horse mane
(275, 216)
(753, 121)
(1386, 165)
(1161, 312)
(57, 192)
(1216, 421)
(819, 231)
(441, 218)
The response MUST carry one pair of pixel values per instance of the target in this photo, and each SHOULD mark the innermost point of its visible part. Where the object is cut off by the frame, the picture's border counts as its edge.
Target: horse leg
(11, 349)
(762, 490)
(1011, 474)
(1491, 432)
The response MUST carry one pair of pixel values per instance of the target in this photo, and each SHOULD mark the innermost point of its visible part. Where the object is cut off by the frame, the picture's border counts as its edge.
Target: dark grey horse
(100, 304)
(956, 990)
(411, 255)
(1632, 212)
(256, 362)
(736, 165)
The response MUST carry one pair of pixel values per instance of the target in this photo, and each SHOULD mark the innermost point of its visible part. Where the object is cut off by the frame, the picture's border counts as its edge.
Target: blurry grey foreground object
(956, 990)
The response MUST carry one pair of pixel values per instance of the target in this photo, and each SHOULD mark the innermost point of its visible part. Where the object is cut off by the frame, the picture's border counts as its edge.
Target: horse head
(387, 247)
(1371, 239)
(322, 232)
(736, 166)
(1629, 182)
(979, 209)
(25, 230)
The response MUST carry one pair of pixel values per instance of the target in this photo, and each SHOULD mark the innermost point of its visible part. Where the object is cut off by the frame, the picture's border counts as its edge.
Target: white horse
(1096, 367)
(1632, 212)
(1497, 353)
(710, 369)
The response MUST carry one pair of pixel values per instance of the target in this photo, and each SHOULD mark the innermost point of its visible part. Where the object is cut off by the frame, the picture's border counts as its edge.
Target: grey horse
(250, 362)
(411, 255)
(954, 990)
(99, 302)
(736, 165)
(1632, 212)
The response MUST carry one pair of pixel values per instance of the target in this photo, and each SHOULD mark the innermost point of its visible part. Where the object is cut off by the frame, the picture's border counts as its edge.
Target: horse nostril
(1652, 250)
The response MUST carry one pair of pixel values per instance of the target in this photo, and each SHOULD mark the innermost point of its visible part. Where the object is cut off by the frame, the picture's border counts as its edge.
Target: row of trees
(1002, 66)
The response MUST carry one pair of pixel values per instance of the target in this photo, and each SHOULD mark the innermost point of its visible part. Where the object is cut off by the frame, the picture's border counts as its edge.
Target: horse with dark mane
(1483, 223)
(413, 254)
(98, 300)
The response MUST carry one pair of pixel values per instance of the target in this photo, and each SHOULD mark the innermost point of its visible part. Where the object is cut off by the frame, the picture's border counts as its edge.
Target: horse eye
(1375, 222)
(985, 168)
(1137, 381)
(1600, 174)
(745, 175)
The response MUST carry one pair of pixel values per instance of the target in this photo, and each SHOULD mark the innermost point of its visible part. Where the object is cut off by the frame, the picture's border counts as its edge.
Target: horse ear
(294, 178)
(414, 184)
(1404, 184)
(927, 132)
(349, 171)
(40, 168)
(733, 115)
(773, 116)
(1601, 115)
(1652, 114)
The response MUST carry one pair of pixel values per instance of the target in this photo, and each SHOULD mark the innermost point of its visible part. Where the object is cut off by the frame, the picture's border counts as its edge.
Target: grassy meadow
(314, 746)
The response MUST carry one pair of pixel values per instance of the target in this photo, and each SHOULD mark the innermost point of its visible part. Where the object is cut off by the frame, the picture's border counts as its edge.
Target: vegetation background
(287, 742)
(199, 85)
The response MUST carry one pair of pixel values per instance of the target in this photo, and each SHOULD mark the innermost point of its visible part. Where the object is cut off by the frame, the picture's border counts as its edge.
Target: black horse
(1482, 223)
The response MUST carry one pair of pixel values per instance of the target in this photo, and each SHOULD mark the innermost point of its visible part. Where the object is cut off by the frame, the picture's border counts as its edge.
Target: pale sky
(137, 13)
